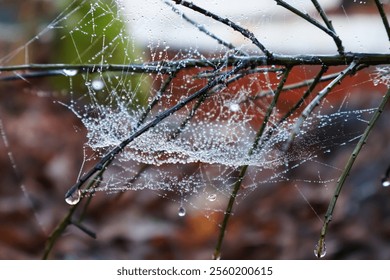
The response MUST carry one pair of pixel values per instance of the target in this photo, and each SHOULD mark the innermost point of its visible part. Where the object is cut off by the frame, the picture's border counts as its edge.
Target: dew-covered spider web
(131, 67)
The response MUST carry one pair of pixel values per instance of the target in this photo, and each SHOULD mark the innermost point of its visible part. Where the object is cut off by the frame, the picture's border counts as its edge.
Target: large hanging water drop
(72, 198)
(182, 211)
(320, 250)
(216, 256)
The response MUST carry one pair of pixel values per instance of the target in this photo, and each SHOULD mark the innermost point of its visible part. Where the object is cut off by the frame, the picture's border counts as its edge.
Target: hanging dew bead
(182, 211)
(320, 251)
(73, 198)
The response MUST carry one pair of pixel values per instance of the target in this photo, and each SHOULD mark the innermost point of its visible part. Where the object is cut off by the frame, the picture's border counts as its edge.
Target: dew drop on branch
(320, 251)
(70, 72)
(73, 198)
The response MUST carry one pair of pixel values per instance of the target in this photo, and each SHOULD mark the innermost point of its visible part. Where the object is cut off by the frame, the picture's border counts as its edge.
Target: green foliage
(97, 34)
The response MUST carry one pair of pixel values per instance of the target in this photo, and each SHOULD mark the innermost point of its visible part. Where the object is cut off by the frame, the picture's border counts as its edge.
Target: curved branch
(317, 100)
(243, 169)
(201, 28)
(320, 248)
(384, 17)
(308, 18)
(323, 15)
(245, 32)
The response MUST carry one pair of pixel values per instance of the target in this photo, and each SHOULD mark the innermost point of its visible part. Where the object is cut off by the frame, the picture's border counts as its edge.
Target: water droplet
(182, 211)
(97, 84)
(385, 183)
(72, 198)
(320, 251)
(70, 72)
(212, 197)
(234, 107)
(216, 256)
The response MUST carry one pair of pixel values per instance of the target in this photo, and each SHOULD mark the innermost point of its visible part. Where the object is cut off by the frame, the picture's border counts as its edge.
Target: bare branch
(307, 17)
(246, 33)
(243, 169)
(340, 182)
(323, 15)
(169, 67)
(297, 85)
(204, 30)
(317, 100)
(379, 5)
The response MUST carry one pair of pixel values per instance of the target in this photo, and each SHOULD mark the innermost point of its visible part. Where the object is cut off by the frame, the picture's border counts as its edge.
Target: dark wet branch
(323, 16)
(308, 18)
(201, 28)
(169, 67)
(245, 32)
(320, 248)
(382, 13)
(243, 169)
(351, 69)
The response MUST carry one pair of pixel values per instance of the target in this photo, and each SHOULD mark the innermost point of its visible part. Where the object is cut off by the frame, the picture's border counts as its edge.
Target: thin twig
(382, 13)
(168, 67)
(201, 28)
(308, 18)
(51, 240)
(316, 101)
(323, 15)
(67, 220)
(243, 169)
(304, 83)
(340, 182)
(156, 98)
(245, 32)
(313, 84)
(211, 74)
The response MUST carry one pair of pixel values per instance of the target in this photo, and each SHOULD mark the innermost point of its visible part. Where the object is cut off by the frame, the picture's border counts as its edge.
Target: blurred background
(41, 150)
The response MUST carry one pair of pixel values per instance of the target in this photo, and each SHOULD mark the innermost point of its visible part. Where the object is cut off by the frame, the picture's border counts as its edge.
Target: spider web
(196, 152)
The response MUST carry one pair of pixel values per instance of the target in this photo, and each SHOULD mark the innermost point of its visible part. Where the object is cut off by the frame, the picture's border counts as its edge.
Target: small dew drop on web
(234, 107)
(74, 198)
(182, 211)
(212, 197)
(70, 72)
(320, 251)
(97, 84)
